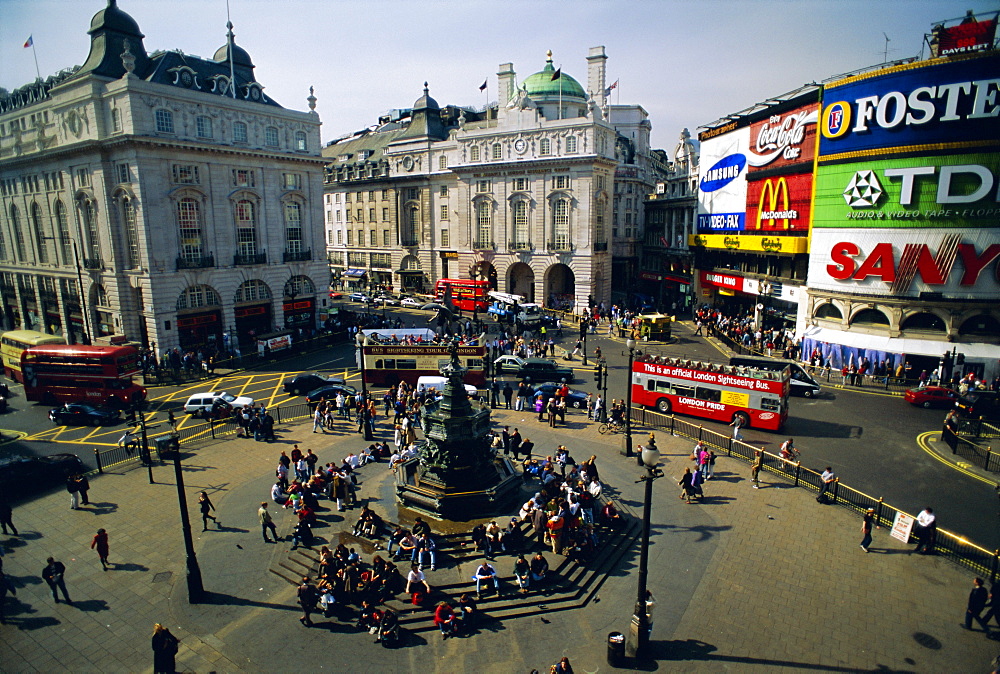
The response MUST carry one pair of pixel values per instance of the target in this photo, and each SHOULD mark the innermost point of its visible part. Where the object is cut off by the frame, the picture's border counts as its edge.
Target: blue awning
(355, 273)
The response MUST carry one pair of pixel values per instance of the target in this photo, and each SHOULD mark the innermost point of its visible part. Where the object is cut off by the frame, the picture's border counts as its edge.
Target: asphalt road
(869, 439)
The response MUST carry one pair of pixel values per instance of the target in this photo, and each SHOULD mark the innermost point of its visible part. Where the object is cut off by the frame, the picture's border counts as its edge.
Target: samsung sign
(953, 102)
(723, 172)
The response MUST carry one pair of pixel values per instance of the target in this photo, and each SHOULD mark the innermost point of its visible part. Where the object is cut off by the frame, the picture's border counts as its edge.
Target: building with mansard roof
(518, 193)
(159, 198)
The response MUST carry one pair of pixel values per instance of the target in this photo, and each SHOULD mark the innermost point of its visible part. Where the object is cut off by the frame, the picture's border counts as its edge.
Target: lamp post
(604, 407)
(584, 322)
(630, 343)
(638, 634)
(83, 301)
(366, 427)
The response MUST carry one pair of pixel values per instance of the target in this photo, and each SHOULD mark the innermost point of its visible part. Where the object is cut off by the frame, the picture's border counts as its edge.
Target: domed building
(159, 198)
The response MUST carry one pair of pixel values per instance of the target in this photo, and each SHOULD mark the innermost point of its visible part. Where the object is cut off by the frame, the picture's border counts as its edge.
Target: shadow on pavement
(128, 566)
(222, 599)
(692, 649)
(704, 532)
(91, 605)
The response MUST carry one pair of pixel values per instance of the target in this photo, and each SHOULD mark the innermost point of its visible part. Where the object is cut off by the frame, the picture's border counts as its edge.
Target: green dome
(541, 84)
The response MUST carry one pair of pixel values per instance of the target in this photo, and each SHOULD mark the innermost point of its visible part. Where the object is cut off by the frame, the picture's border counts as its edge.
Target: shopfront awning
(355, 273)
(415, 272)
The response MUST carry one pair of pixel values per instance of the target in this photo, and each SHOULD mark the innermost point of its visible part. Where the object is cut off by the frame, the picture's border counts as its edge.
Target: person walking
(828, 477)
(101, 543)
(737, 424)
(266, 523)
(206, 505)
(926, 531)
(54, 573)
(867, 522)
(5, 516)
(83, 486)
(977, 602)
(755, 469)
(308, 596)
(165, 646)
(73, 487)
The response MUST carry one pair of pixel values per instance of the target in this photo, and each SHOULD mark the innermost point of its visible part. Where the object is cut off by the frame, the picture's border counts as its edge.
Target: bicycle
(611, 427)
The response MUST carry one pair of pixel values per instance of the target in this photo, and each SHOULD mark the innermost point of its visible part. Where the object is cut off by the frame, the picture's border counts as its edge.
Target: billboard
(948, 103)
(883, 262)
(722, 184)
(957, 191)
(780, 203)
(784, 140)
(968, 36)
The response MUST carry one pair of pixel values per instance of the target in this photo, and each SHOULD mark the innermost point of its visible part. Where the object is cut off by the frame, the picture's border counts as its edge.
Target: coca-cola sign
(783, 140)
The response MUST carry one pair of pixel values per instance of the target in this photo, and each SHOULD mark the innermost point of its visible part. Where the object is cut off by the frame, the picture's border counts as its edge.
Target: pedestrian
(867, 522)
(73, 487)
(737, 424)
(206, 505)
(266, 523)
(926, 531)
(508, 393)
(5, 587)
(308, 596)
(977, 602)
(101, 543)
(83, 486)
(5, 516)
(172, 420)
(165, 647)
(827, 478)
(54, 573)
(711, 465)
(562, 667)
(993, 605)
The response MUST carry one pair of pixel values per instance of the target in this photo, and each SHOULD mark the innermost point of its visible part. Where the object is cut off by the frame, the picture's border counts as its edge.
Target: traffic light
(590, 301)
(597, 375)
(960, 359)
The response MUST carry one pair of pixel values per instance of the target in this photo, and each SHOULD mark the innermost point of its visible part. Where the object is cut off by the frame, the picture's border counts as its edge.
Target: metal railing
(201, 262)
(93, 263)
(956, 548)
(254, 258)
(560, 246)
(298, 255)
(484, 245)
(520, 245)
(975, 453)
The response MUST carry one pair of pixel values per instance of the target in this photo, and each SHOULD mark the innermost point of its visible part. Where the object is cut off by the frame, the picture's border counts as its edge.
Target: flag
(29, 42)
(556, 75)
(607, 92)
(482, 87)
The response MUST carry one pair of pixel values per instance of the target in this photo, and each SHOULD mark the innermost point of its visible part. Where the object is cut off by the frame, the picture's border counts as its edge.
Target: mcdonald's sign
(779, 203)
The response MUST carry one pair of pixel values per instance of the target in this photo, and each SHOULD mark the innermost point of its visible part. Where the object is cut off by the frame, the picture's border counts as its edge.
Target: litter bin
(616, 649)
(166, 445)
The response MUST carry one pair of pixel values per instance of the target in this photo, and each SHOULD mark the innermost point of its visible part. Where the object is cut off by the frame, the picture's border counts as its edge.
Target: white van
(428, 382)
(200, 404)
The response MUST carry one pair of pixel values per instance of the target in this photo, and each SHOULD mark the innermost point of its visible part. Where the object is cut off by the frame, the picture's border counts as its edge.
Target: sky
(686, 62)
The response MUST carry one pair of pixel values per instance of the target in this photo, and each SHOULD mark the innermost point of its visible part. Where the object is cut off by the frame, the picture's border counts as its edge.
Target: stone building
(158, 198)
(518, 193)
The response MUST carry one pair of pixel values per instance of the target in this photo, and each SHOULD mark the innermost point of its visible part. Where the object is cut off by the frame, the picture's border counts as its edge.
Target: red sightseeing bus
(467, 295)
(76, 373)
(387, 363)
(711, 391)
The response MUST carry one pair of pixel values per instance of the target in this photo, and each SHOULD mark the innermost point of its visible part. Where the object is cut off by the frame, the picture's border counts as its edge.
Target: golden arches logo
(771, 193)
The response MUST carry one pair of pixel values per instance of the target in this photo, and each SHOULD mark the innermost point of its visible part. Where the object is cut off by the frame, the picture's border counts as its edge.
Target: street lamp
(638, 634)
(604, 407)
(630, 343)
(366, 426)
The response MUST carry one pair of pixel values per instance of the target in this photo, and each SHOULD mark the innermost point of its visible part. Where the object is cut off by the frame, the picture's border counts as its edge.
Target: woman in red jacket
(444, 618)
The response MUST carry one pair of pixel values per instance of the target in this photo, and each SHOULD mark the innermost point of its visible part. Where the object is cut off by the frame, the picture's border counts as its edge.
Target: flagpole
(560, 91)
(38, 72)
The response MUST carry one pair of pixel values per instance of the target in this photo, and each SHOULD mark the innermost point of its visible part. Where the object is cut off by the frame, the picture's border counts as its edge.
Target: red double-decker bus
(76, 373)
(466, 294)
(711, 391)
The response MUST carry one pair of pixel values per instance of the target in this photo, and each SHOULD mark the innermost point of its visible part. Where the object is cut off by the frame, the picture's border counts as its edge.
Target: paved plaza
(748, 580)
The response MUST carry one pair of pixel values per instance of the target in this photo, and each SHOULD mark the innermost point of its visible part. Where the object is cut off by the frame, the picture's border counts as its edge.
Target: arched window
(132, 259)
(253, 290)
(925, 321)
(239, 132)
(293, 227)
(62, 225)
(99, 296)
(870, 317)
(829, 311)
(522, 233)
(981, 325)
(560, 224)
(600, 233)
(194, 297)
(299, 285)
(484, 231)
(189, 225)
(36, 227)
(88, 213)
(409, 234)
(15, 225)
(246, 229)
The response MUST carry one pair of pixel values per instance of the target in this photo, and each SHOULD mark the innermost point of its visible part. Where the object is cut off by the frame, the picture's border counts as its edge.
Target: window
(3, 246)
(361, 215)
(243, 178)
(300, 141)
(560, 182)
(412, 193)
(40, 241)
(408, 234)
(444, 211)
(253, 290)
(474, 153)
(545, 146)
(445, 238)
(293, 181)
(385, 215)
(372, 239)
(340, 237)
(124, 174)
(371, 215)
(131, 234)
(350, 237)
(357, 259)
(521, 234)
(371, 195)
(443, 162)
(271, 136)
(293, 227)
(15, 225)
(520, 184)
(203, 126)
(710, 394)
(381, 260)
(386, 240)
(186, 174)
(239, 132)
(198, 296)
(560, 224)
(444, 190)
(83, 177)
(116, 120)
(246, 228)
(497, 151)
(347, 198)
(88, 212)
(484, 186)
(599, 181)
(571, 144)
(485, 225)
(62, 233)
(189, 225)
(164, 121)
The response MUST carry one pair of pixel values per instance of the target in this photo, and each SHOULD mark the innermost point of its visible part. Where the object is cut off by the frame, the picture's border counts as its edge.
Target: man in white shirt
(926, 531)
(351, 460)
(486, 572)
(827, 478)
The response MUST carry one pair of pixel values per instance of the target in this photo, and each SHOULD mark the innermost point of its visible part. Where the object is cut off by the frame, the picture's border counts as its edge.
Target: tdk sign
(725, 171)
(952, 102)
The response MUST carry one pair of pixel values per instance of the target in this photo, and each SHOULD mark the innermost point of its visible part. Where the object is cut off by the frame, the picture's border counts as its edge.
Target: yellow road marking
(922, 443)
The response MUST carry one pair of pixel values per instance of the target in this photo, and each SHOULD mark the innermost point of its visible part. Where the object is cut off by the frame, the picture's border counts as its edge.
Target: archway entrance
(560, 288)
(521, 281)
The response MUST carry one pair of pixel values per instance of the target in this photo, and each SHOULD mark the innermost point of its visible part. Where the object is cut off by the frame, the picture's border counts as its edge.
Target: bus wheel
(663, 405)
(744, 417)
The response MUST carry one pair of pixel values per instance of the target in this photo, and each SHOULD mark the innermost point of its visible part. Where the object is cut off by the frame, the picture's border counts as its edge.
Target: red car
(931, 396)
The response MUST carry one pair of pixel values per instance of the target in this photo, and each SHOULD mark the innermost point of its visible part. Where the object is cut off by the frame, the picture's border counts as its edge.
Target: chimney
(507, 84)
(596, 71)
